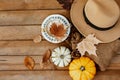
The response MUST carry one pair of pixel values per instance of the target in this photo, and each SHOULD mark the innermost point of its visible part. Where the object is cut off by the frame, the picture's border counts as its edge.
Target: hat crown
(102, 13)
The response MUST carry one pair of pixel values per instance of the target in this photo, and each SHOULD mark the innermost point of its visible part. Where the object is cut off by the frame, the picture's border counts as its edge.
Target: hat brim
(77, 18)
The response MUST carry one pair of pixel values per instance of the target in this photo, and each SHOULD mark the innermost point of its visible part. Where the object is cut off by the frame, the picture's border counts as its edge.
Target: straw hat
(100, 17)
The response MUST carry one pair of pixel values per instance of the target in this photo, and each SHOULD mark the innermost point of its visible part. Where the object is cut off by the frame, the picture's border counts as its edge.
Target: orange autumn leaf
(46, 56)
(45, 61)
(29, 62)
(57, 30)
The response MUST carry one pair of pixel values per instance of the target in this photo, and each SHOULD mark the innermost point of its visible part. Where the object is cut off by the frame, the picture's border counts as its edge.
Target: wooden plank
(27, 17)
(19, 32)
(54, 75)
(115, 63)
(114, 66)
(28, 4)
(11, 50)
(35, 75)
(108, 75)
(26, 47)
(17, 63)
(30, 48)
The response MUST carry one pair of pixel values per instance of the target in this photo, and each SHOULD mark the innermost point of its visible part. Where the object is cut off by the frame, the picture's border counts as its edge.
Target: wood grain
(20, 22)
(19, 32)
(108, 75)
(115, 63)
(13, 53)
(27, 17)
(28, 4)
(34, 75)
(54, 75)
(17, 63)
(26, 47)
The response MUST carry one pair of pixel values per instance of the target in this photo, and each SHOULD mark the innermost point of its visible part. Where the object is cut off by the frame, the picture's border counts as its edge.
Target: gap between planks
(19, 32)
(54, 75)
(13, 53)
(29, 47)
(17, 63)
(27, 17)
(26, 47)
(24, 25)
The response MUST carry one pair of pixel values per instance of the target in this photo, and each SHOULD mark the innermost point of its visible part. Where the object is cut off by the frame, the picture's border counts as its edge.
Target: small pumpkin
(61, 56)
(82, 69)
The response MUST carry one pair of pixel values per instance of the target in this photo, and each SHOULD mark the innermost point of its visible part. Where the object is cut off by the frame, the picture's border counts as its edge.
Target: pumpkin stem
(82, 68)
(62, 56)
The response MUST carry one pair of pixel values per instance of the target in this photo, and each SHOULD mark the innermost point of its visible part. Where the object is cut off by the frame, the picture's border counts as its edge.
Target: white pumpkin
(61, 56)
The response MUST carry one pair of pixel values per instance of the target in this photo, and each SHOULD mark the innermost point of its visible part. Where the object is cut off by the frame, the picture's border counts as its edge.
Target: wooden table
(20, 22)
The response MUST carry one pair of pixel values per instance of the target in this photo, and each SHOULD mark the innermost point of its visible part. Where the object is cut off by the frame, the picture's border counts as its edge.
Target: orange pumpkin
(82, 69)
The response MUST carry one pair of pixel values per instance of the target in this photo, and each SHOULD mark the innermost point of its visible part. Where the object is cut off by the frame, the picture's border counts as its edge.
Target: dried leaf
(66, 3)
(61, 1)
(46, 56)
(81, 48)
(90, 48)
(75, 54)
(47, 65)
(88, 45)
(75, 38)
(57, 30)
(29, 62)
(44, 61)
(67, 6)
(37, 39)
(91, 38)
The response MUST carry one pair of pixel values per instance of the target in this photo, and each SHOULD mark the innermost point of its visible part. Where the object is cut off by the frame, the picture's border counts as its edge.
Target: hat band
(94, 26)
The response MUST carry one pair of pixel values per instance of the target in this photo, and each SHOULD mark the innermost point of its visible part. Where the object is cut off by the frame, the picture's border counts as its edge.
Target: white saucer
(55, 18)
